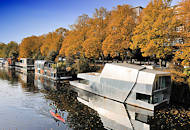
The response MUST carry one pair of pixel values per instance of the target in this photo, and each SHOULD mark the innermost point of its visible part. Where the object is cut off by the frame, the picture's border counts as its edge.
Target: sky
(23, 18)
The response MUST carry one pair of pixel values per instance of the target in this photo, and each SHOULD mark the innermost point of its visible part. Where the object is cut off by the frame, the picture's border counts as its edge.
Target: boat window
(162, 82)
(155, 99)
(143, 97)
(142, 118)
(160, 96)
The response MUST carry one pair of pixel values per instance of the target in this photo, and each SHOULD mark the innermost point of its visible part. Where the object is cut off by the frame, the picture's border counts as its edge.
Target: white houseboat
(130, 84)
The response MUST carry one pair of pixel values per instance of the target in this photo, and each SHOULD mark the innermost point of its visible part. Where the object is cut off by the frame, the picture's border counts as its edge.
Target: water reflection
(27, 100)
(8, 74)
(23, 106)
(115, 115)
(79, 115)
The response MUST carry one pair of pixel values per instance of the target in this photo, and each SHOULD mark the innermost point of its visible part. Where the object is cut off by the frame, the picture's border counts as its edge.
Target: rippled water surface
(22, 109)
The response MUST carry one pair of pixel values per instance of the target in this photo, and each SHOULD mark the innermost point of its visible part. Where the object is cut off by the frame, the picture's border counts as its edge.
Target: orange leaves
(92, 48)
(38, 46)
(112, 33)
(183, 54)
(86, 36)
(120, 28)
(71, 44)
(51, 42)
(29, 46)
(154, 33)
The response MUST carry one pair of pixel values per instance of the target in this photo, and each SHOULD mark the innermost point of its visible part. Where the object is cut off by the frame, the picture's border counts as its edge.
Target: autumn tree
(30, 47)
(119, 30)
(155, 32)
(72, 44)
(183, 54)
(96, 34)
(52, 42)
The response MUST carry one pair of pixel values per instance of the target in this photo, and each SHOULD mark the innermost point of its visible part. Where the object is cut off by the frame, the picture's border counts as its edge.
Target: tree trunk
(126, 59)
(155, 61)
(160, 63)
(94, 62)
(103, 59)
(122, 58)
(165, 63)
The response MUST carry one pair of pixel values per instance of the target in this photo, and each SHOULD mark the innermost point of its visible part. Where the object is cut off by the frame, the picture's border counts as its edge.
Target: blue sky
(23, 18)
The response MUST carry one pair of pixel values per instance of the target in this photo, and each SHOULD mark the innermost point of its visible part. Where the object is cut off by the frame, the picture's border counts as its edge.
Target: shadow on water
(85, 110)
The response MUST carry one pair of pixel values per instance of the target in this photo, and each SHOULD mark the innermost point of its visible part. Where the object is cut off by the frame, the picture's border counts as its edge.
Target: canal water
(26, 101)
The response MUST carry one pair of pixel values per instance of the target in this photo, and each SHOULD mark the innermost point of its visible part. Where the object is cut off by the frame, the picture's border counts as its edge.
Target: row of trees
(158, 33)
(119, 32)
(43, 47)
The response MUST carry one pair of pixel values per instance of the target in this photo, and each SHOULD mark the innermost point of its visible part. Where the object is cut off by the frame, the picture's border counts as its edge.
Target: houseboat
(129, 84)
(51, 70)
(24, 65)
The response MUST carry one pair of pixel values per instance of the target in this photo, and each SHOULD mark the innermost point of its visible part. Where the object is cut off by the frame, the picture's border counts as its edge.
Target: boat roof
(155, 71)
(132, 66)
(141, 68)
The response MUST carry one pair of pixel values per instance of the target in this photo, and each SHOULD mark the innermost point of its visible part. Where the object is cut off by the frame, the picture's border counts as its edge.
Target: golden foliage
(52, 42)
(119, 30)
(155, 32)
(29, 47)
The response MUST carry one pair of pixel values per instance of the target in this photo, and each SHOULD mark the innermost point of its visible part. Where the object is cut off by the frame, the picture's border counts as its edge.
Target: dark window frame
(143, 97)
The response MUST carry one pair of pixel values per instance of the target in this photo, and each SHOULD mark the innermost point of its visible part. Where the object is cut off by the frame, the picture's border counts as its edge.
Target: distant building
(130, 84)
(138, 10)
